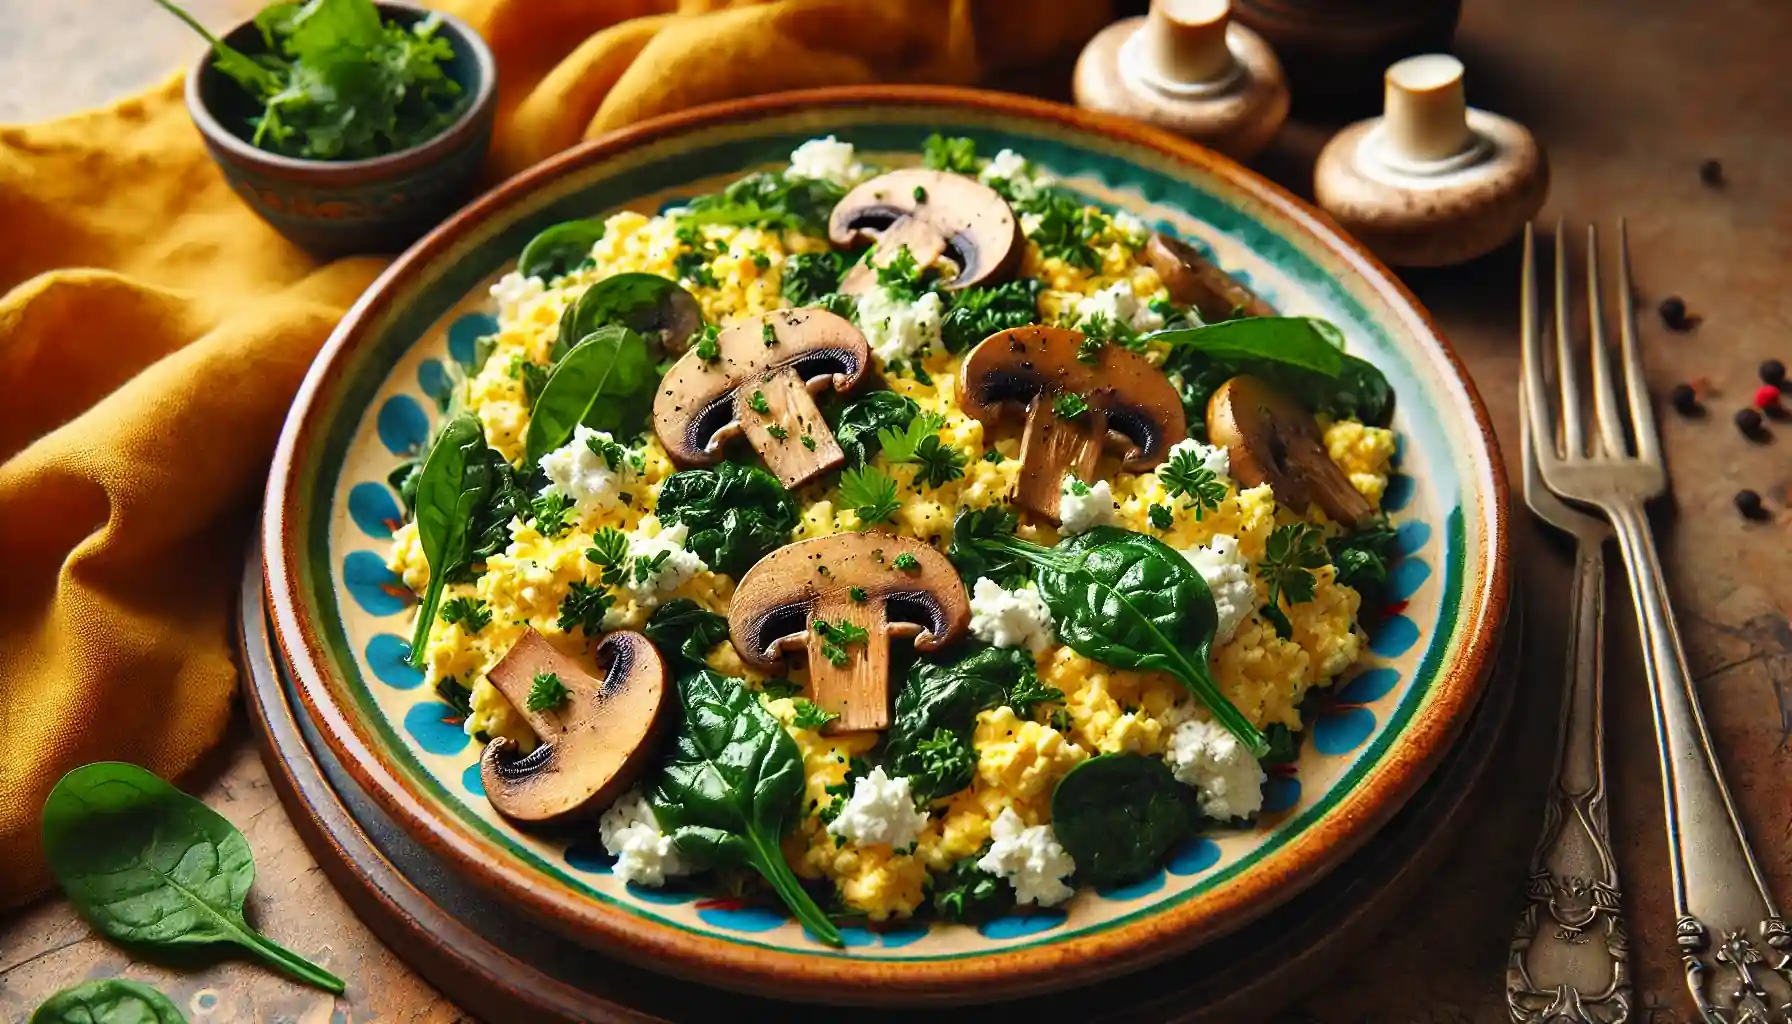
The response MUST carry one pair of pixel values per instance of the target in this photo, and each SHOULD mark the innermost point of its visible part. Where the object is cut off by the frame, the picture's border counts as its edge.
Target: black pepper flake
(1685, 399)
(1774, 372)
(1750, 423)
(1711, 173)
(1673, 313)
(1749, 504)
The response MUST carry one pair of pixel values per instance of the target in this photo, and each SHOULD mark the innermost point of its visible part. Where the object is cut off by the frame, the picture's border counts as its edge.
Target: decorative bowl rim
(1083, 958)
(350, 172)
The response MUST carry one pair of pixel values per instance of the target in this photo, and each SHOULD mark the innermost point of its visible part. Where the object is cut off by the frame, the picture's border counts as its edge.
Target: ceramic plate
(341, 619)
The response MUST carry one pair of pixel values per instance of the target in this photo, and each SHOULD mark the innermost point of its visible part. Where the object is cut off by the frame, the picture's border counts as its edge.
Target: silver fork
(1734, 945)
(1567, 962)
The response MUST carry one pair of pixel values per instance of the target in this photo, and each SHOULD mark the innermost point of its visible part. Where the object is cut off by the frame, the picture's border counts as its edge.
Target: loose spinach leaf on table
(768, 200)
(1299, 355)
(1117, 815)
(148, 865)
(859, 421)
(454, 484)
(942, 695)
(737, 514)
(606, 383)
(685, 632)
(732, 786)
(108, 1001)
(1127, 600)
(560, 250)
(967, 894)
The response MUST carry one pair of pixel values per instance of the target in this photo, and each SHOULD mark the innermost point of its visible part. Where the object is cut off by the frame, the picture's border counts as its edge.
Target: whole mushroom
(798, 596)
(1131, 406)
(593, 745)
(1271, 439)
(761, 384)
(931, 214)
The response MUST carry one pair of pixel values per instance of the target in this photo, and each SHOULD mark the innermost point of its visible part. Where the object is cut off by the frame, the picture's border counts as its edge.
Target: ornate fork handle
(1567, 963)
(1733, 943)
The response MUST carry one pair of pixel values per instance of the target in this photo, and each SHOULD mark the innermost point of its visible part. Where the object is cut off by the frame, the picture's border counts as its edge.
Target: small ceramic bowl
(338, 207)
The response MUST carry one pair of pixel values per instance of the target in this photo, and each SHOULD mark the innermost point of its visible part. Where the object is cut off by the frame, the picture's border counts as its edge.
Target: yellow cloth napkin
(153, 331)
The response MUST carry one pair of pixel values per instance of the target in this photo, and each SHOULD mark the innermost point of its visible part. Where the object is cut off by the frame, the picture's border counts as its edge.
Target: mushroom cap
(1272, 439)
(693, 412)
(771, 607)
(1194, 280)
(593, 746)
(966, 219)
(1016, 365)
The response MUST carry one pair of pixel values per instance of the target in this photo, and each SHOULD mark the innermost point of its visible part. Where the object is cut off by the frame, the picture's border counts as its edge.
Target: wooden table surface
(1628, 96)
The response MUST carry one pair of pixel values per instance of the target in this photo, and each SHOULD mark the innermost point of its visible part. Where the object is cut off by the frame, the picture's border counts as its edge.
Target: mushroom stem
(1193, 280)
(858, 689)
(923, 241)
(790, 410)
(1050, 446)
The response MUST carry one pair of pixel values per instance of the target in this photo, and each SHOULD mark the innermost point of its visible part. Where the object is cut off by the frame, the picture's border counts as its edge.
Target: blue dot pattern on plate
(1133, 890)
(590, 855)
(903, 936)
(1398, 493)
(473, 781)
(1408, 575)
(1342, 730)
(1193, 856)
(390, 658)
(1016, 926)
(666, 896)
(856, 937)
(1412, 535)
(742, 919)
(373, 509)
(433, 378)
(1394, 636)
(372, 585)
(1369, 687)
(402, 425)
(428, 724)
(465, 332)
(1280, 793)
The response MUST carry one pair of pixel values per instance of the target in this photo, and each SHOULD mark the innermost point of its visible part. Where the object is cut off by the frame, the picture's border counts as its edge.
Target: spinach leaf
(403, 479)
(651, 306)
(944, 697)
(505, 500)
(1363, 557)
(1118, 815)
(977, 313)
(108, 1001)
(685, 632)
(808, 276)
(973, 559)
(1299, 355)
(453, 486)
(1284, 744)
(560, 250)
(737, 514)
(732, 786)
(1129, 600)
(606, 382)
(967, 894)
(861, 419)
(148, 865)
(769, 200)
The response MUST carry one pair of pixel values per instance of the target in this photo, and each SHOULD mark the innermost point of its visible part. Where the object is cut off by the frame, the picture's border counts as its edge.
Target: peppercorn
(1767, 397)
(1749, 422)
(1749, 504)
(1673, 313)
(1685, 399)
(1711, 174)
(1773, 372)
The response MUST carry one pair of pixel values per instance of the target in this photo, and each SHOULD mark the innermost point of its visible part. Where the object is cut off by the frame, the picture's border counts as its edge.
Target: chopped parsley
(836, 637)
(809, 276)
(551, 512)
(1107, 330)
(1089, 350)
(920, 443)
(708, 349)
(609, 548)
(920, 194)
(583, 608)
(547, 692)
(1066, 228)
(1290, 557)
(769, 333)
(808, 442)
(857, 594)
(756, 402)
(902, 276)
(906, 562)
(869, 492)
(1186, 476)
(612, 452)
(1070, 405)
(977, 313)
(955, 153)
(992, 457)
(809, 715)
(1028, 693)
(761, 260)
(1161, 517)
(470, 612)
(646, 568)
(778, 433)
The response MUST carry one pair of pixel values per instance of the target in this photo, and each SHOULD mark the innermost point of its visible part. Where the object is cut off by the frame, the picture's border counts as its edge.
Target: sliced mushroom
(1133, 408)
(762, 384)
(1193, 280)
(862, 579)
(1273, 440)
(593, 746)
(930, 213)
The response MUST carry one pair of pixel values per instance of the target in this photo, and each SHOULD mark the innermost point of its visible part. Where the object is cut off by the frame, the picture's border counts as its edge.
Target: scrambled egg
(1019, 761)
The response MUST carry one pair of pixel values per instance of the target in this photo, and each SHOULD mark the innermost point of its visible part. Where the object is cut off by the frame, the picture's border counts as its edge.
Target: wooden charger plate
(501, 965)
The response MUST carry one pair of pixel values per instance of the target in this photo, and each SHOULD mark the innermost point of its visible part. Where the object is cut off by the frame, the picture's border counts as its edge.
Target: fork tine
(1536, 404)
(1642, 416)
(1573, 444)
(1605, 399)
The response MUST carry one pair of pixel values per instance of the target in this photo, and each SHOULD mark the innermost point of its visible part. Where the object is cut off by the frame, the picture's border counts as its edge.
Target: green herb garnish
(809, 715)
(470, 612)
(1186, 476)
(869, 492)
(609, 549)
(836, 637)
(756, 402)
(1290, 557)
(906, 562)
(583, 607)
(546, 692)
(955, 153)
(1070, 405)
(708, 349)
